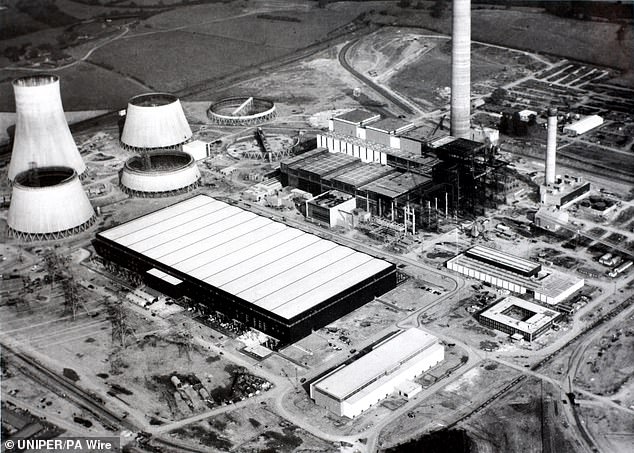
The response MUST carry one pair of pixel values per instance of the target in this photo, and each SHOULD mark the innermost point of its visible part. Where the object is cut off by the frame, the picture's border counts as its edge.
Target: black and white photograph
(317, 226)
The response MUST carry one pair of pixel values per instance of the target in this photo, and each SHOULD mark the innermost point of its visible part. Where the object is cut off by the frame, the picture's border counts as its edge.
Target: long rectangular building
(351, 389)
(515, 274)
(262, 273)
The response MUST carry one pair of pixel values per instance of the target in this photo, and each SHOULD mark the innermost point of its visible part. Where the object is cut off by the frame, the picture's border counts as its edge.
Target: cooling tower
(154, 121)
(461, 69)
(48, 203)
(42, 137)
(551, 147)
(159, 174)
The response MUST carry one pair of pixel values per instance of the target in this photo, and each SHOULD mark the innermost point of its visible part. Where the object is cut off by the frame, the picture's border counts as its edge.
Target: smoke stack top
(36, 80)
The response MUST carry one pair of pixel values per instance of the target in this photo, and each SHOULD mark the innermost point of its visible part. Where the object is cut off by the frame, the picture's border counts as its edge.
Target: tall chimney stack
(42, 137)
(551, 147)
(461, 69)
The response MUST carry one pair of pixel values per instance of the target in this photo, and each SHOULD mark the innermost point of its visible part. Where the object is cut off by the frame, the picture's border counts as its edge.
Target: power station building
(247, 268)
(351, 389)
(515, 274)
(389, 163)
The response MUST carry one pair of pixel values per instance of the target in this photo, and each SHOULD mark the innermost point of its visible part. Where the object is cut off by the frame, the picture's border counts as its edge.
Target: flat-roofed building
(312, 172)
(386, 131)
(258, 272)
(515, 274)
(517, 316)
(349, 179)
(583, 125)
(504, 260)
(347, 123)
(352, 389)
(384, 196)
(332, 208)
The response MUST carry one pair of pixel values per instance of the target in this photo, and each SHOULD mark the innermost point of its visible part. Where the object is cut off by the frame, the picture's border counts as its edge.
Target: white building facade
(352, 389)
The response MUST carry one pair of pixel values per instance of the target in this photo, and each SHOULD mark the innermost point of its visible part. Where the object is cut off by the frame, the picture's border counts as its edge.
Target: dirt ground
(253, 428)
(137, 376)
(597, 372)
(417, 64)
(515, 423)
(610, 428)
(447, 403)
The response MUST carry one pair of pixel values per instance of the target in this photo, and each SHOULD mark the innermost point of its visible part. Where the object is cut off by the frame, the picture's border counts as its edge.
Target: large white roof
(276, 267)
(372, 369)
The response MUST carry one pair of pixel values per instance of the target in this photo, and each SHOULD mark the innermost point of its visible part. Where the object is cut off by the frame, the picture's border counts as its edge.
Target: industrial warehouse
(254, 271)
(515, 274)
(351, 389)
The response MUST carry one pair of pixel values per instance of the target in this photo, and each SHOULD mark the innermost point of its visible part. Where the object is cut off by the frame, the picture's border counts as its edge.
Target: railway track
(67, 389)
(343, 60)
(611, 314)
(488, 402)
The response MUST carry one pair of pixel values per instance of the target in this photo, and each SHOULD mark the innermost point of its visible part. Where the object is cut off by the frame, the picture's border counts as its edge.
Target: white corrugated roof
(274, 266)
(376, 364)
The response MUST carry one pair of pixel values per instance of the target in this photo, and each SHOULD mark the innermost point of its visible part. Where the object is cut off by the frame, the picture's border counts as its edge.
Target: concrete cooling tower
(461, 69)
(42, 137)
(159, 174)
(154, 121)
(48, 203)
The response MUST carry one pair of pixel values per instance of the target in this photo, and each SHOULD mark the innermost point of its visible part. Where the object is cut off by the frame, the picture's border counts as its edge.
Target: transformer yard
(300, 250)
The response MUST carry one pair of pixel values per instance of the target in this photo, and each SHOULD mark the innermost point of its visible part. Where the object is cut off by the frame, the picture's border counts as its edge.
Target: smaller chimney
(551, 147)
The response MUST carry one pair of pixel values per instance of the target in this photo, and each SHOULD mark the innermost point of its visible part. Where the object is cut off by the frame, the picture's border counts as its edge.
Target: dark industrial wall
(342, 304)
(215, 299)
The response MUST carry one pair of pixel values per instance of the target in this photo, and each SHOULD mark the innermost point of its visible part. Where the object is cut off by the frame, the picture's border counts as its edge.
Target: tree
(499, 95)
(12, 53)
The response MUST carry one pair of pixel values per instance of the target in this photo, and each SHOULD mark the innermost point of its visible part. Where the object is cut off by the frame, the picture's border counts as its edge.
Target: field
(79, 89)
(531, 29)
(174, 50)
(191, 59)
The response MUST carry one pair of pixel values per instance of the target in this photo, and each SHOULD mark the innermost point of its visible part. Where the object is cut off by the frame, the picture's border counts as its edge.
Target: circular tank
(242, 111)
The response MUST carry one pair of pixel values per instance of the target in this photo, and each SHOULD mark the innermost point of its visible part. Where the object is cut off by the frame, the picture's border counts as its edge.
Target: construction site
(391, 238)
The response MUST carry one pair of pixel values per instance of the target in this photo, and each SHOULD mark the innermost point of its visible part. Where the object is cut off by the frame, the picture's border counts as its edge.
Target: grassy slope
(536, 31)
